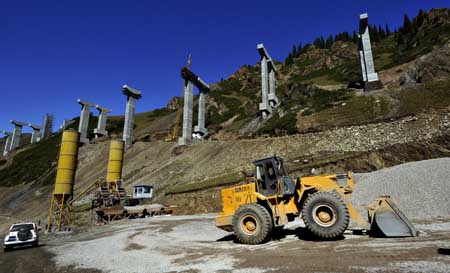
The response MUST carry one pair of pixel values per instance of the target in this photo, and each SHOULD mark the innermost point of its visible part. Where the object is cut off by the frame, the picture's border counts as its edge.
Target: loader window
(260, 176)
(272, 179)
(271, 171)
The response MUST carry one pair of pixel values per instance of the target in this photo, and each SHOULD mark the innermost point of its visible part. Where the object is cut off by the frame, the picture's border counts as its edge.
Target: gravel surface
(157, 244)
(420, 189)
(194, 244)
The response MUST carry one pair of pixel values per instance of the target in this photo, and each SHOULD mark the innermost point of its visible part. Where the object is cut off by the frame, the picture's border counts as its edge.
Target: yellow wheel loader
(272, 199)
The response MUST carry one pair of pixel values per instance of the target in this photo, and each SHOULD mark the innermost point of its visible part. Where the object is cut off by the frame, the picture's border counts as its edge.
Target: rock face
(174, 103)
(432, 66)
(316, 59)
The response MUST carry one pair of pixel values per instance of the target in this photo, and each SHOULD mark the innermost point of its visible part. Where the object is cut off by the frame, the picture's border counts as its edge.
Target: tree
(305, 48)
(319, 42)
(355, 37)
(288, 60)
(407, 25)
(374, 35)
(419, 20)
(294, 51)
(299, 49)
(399, 36)
(381, 32)
(329, 42)
(388, 31)
(342, 36)
(346, 36)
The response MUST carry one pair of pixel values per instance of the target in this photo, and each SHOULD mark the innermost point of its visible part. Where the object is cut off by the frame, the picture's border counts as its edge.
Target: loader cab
(269, 172)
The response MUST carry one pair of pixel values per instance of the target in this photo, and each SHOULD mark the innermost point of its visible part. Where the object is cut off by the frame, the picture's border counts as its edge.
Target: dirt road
(193, 244)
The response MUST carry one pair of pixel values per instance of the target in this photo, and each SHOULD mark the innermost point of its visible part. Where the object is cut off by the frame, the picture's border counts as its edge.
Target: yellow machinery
(111, 200)
(175, 129)
(59, 214)
(272, 199)
(111, 192)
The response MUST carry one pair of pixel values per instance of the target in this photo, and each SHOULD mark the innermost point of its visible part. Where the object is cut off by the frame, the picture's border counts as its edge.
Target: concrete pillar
(7, 142)
(370, 78)
(273, 99)
(264, 81)
(17, 134)
(191, 80)
(101, 125)
(47, 126)
(186, 136)
(269, 99)
(84, 120)
(264, 107)
(200, 128)
(132, 96)
(36, 134)
(363, 62)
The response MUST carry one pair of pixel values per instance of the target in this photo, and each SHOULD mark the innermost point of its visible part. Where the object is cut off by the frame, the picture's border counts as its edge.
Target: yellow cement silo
(67, 163)
(59, 214)
(115, 162)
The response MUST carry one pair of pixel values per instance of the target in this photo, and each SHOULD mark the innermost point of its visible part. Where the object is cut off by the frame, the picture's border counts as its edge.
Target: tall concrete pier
(132, 96)
(200, 129)
(84, 119)
(269, 99)
(370, 77)
(47, 126)
(36, 134)
(7, 142)
(17, 134)
(186, 133)
(101, 125)
(191, 80)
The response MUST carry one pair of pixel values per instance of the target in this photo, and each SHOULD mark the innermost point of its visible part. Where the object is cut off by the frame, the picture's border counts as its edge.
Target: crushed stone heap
(421, 189)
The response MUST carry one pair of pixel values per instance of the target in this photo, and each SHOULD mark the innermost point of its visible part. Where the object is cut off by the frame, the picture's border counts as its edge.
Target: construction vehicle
(175, 128)
(271, 199)
(111, 201)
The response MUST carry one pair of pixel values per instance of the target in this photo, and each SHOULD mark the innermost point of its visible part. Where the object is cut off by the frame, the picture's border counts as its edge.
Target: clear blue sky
(53, 52)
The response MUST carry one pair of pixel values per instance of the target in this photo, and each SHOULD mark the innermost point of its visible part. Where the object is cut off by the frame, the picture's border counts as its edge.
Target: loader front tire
(325, 215)
(252, 224)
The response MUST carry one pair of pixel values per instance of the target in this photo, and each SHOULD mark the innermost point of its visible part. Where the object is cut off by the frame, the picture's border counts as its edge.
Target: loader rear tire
(252, 224)
(325, 215)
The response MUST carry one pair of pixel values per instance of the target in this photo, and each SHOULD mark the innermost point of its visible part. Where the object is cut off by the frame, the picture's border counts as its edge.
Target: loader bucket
(386, 220)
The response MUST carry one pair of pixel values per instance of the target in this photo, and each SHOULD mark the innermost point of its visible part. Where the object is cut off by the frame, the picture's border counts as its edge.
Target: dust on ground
(194, 244)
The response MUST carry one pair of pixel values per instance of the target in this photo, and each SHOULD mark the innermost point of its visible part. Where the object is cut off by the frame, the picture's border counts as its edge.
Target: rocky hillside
(315, 81)
(321, 124)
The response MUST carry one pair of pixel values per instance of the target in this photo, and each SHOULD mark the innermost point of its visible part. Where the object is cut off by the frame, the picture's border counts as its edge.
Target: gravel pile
(420, 189)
